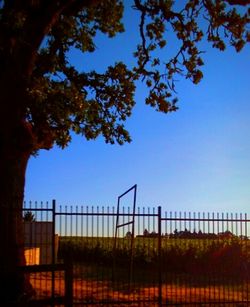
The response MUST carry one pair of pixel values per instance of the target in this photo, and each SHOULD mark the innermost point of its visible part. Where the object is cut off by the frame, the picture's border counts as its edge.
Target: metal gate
(204, 259)
(178, 258)
(40, 250)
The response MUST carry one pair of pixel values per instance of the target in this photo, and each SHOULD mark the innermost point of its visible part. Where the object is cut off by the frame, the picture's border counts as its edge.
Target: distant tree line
(187, 234)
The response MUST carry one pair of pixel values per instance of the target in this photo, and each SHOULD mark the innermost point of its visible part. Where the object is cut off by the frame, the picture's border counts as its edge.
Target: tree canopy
(36, 37)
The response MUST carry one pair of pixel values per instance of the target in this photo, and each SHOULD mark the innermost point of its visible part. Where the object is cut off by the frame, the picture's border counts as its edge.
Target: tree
(44, 98)
(128, 234)
(145, 233)
(29, 217)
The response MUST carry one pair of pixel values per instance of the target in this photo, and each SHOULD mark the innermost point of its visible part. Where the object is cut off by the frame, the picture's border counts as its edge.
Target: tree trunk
(17, 141)
(14, 156)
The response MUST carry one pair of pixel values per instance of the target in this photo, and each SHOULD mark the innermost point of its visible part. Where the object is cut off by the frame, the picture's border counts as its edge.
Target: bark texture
(13, 162)
(15, 150)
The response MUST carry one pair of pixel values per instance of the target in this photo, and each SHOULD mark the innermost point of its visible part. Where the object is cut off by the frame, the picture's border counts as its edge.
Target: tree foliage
(36, 37)
(29, 217)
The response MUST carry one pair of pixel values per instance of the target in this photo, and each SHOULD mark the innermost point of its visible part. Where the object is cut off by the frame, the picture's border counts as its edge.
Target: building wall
(32, 255)
(40, 235)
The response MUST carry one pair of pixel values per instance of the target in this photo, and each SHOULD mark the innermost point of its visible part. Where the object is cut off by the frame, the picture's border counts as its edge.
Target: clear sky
(197, 159)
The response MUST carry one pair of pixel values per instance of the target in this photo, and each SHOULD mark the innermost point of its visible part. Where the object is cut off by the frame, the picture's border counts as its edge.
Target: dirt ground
(100, 292)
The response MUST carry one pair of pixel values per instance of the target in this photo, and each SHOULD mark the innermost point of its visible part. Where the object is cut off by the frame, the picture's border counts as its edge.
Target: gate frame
(117, 226)
(51, 267)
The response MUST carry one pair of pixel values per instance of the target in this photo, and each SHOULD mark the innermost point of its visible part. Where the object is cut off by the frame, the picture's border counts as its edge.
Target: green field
(230, 257)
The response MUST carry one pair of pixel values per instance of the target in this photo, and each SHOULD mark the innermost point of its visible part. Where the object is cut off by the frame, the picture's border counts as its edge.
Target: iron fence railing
(178, 258)
(205, 258)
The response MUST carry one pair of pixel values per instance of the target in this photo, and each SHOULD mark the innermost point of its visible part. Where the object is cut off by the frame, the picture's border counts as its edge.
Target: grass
(229, 257)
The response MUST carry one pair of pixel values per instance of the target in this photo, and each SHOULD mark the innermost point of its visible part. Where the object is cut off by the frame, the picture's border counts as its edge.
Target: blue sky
(197, 159)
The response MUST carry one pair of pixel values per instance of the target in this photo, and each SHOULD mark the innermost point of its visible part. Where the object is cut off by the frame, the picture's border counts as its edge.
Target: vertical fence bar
(69, 283)
(160, 260)
(248, 275)
(132, 240)
(53, 250)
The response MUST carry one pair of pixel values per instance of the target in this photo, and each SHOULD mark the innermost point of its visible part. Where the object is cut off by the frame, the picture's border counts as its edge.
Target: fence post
(53, 251)
(159, 258)
(68, 283)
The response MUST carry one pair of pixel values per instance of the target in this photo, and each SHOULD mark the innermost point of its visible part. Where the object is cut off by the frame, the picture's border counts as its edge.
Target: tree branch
(238, 2)
(40, 24)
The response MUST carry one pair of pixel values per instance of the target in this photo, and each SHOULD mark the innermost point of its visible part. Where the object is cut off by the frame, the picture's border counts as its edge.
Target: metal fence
(175, 259)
